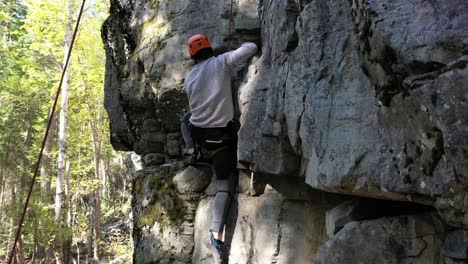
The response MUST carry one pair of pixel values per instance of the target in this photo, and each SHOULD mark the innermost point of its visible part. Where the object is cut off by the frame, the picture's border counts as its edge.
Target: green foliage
(119, 246)
(31, 56)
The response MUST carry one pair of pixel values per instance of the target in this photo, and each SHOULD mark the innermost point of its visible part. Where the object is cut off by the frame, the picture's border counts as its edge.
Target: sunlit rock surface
(358, 97)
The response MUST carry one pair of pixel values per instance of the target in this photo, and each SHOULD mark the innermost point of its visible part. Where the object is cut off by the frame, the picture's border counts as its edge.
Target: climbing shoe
(218, 250)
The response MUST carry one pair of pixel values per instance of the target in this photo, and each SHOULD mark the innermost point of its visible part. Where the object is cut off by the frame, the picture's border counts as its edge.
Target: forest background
(80, 206)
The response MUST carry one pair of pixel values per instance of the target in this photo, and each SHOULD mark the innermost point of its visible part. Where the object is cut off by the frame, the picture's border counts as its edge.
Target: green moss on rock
(165, 206)
(155, 4)
(153, 28)
(149, 216)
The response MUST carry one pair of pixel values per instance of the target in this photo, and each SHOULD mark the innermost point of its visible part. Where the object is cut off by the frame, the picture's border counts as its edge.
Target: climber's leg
(191, 153)
(185, 122)
(224, 162)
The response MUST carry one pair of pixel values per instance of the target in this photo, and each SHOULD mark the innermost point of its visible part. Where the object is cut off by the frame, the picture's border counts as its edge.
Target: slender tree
(46, 163)
(62, 237)
(97, 147)
(31, 50)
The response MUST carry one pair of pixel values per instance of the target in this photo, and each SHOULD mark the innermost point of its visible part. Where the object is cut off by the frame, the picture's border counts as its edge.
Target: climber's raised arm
(240, 55)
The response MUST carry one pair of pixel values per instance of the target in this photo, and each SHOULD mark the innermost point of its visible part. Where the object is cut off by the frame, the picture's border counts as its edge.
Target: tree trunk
(22, 185)
(97, 226)
(14, 224)
(27, 144)
(105, 179)
(3, 182)
(20, 252)
(46, 163)
(68, 239)
(97, 192)
(60, 240)
(91, 229)
(11, 238)
(46, 191)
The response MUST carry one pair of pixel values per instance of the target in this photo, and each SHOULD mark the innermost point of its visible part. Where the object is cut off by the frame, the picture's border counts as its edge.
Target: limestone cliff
(355, 97)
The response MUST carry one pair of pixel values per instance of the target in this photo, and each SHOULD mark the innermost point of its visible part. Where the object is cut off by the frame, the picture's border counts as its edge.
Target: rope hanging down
(230, 24)
(38, 163)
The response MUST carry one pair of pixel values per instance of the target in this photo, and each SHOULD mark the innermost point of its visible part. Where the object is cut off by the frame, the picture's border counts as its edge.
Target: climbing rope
(20, 224)
(230, 24)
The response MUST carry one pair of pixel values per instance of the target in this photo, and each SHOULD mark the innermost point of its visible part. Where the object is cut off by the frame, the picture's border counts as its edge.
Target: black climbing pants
(219, 144)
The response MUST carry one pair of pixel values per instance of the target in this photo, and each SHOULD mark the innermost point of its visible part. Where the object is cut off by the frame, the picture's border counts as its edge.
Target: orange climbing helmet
(196, 43)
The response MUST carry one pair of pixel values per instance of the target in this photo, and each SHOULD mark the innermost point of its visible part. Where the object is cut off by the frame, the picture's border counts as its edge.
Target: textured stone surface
(359, 97)
(192, 179)
(453, 261)
(456, 245)
(364, 98)
(358, 209)
(173, 147)
(172, 218)
(267, 229)
(147, 62)
(339, 216)
(403, 239)
(152, 159)
(163, 218)
(133, 161)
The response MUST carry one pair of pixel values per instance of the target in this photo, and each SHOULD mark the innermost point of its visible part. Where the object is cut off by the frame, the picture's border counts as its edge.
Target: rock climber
(210, 124)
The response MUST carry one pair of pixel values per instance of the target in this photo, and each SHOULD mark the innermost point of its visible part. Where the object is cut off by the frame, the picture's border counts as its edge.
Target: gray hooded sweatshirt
(208, 86)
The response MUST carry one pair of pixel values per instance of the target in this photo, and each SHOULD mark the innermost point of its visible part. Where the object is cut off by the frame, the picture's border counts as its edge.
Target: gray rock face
(152, 159)
(341, 215)
(456, 245)
(268, 229)
(364, 98)
(360, 209)
(172, 218)
(403, 239)
(361, 97)
(163, 217)
(192, 179)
